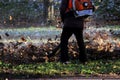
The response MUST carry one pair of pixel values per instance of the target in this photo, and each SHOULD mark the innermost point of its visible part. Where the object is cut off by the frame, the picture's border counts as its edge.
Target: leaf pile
(100, 44)
(102, 40)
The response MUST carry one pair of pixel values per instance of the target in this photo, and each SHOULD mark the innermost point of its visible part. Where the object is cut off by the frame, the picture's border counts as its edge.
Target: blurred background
(27, 13)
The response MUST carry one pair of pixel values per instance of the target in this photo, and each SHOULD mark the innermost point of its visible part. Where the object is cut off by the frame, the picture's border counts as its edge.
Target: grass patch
(31, 34)
(56, 68)
(29, 29)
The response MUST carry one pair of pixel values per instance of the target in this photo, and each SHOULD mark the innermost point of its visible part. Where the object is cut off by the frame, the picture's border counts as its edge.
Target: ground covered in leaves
(23, 57)
(101, 43)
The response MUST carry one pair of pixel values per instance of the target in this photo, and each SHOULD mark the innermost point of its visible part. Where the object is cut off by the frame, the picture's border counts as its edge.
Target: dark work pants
(66, 34)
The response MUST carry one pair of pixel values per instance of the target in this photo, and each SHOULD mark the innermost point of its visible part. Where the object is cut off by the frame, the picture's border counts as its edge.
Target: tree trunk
(45, 11)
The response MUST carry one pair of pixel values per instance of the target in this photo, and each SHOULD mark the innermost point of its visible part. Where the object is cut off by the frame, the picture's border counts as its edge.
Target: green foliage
(56, 68)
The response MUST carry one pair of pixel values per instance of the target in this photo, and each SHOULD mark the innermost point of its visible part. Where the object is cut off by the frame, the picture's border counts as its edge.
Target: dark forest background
(27, 13)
